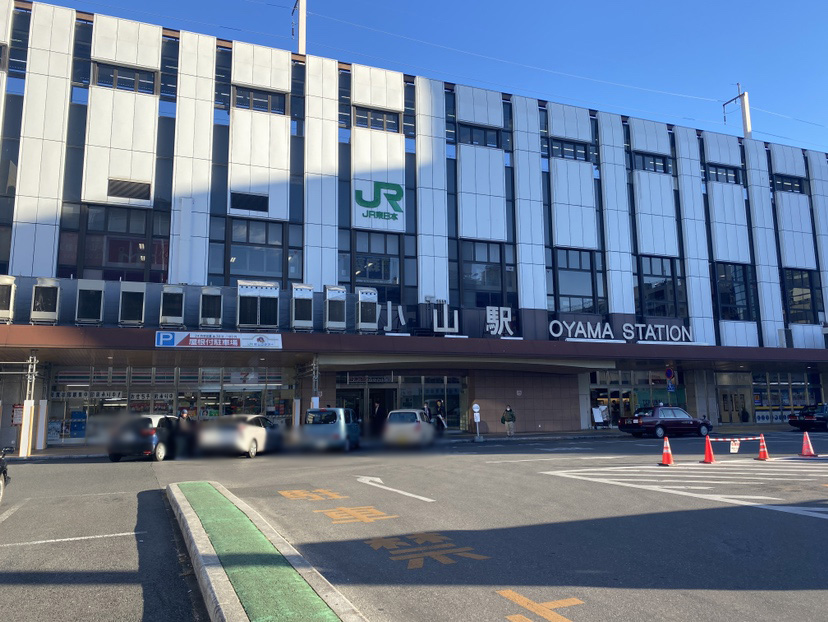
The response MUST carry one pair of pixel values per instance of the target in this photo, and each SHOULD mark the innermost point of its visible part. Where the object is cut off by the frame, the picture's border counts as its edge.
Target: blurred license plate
(128, 437)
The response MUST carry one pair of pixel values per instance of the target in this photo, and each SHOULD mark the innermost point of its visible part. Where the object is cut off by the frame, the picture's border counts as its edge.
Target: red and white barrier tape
(744, 438)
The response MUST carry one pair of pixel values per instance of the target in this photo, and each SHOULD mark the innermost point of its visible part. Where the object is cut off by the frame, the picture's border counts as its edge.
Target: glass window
(804, 297)
(735, 288)
(660, 288)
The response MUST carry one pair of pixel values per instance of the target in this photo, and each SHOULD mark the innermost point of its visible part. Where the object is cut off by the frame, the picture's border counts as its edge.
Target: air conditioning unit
(45, 301)
(367, 309)
(258, 304)
(131, 309)
(301, 307)
(335, 296)
(7, 292)
(172, 306)
(210, 308)
(89, 302)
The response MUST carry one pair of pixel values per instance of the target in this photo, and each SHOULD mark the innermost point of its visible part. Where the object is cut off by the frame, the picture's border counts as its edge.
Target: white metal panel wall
(574, 215)
(432, 212)
(649, 136)
(260, 160)
(722, 149)
(529, 205)
(694, 232)
(808, 336)
(796, 236)
(618, 238)
(479, 106)
(818, 171)
(125, 42)
(261, 67)
(192, 162)
(321, 169)
(744, 334)
(377, 88)
(764, 242)
(42, 141)
(121, 127)
(787, 160)
(376, 155)
(569, 122)
(6, 8)
(655, 214)
(481, 193)
(728, 226)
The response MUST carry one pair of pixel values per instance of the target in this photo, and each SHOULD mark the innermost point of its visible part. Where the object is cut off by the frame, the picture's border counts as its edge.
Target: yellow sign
(440, 548)
(544, 610)
(320, 494)
(364, 514)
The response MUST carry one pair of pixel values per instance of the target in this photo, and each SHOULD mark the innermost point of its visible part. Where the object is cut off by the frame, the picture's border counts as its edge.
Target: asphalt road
(584, 530)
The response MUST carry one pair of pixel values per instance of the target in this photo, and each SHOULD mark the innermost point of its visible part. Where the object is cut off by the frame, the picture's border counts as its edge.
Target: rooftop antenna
(301, 6)
(745, 104)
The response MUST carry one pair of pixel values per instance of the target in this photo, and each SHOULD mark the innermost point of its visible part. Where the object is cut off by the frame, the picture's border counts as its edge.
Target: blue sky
(683, 58)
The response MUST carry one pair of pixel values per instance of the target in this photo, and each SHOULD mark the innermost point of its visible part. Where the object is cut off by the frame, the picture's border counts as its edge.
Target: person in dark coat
(440, 418)
(378, 416)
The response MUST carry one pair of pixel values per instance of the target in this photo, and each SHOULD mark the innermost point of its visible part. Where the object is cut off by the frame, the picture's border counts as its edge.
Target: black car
(148, 436)
(4, 472)
(661, 421)
(810, 418)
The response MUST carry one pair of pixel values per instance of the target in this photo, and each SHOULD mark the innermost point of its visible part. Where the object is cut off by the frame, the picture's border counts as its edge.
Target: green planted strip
(268, 587)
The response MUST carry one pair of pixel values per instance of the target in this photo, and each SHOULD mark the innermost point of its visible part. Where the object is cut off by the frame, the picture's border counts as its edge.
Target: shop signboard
(17, 414)
(95, 395)
(639, 332)
(221, 341)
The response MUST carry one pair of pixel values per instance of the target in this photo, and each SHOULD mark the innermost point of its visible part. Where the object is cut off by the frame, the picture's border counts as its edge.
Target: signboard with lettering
(95, 395)
(639, 332)
(379, 205)
(218, 341)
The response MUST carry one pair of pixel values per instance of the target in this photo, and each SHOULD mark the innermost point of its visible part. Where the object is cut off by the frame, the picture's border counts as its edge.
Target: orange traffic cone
(666, 454)
(763, 449)
(807, 448)
(708, 452)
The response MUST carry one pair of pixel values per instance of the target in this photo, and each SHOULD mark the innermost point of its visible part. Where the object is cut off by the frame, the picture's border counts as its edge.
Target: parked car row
(161, 437)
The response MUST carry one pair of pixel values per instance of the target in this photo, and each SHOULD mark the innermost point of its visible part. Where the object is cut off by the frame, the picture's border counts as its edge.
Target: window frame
(375, 119)
(116, 78)
(746, 311)
(273, 98)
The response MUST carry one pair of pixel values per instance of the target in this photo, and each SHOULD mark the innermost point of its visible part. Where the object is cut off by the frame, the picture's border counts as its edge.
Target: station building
(192, 222)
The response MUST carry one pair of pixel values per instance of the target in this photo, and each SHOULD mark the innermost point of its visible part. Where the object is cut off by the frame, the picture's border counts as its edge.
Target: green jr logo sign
(393, 194)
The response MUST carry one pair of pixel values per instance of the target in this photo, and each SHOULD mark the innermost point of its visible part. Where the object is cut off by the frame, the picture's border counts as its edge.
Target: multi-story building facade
(192, 222)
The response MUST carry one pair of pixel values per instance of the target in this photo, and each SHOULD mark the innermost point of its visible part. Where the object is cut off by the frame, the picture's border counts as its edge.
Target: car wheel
(160, 452)
(703, 430)
(659, 432)
(253, 449)
(114, 457)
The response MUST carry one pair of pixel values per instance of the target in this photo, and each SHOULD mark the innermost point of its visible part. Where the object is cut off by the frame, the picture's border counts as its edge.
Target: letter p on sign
(164, 339)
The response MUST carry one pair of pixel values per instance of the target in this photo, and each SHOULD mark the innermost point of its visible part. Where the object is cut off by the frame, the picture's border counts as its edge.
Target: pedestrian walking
(427, 411)
(185, 435)
(378, 416)
(440, 418)
(508, 418)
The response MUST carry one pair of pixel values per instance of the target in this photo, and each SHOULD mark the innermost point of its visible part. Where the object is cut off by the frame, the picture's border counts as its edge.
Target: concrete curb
(340, 605)
(56, 457)
(220, 598)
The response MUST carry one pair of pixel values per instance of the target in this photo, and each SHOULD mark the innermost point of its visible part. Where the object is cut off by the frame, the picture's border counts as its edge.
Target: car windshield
(408, 416)
(808, 410)
(643, 412)
(315, 417)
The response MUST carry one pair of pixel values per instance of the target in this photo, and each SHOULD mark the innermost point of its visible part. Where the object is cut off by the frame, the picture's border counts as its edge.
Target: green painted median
(268, 587)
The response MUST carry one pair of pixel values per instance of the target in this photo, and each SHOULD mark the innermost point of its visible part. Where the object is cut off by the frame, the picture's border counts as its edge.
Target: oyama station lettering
(629, 332)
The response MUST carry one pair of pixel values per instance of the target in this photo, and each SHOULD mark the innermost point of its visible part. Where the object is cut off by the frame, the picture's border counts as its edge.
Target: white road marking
(567, 448)
(690, 487)
(11, 510)
(377, 482)
(557, 458)
(727, 475)
(108, 535)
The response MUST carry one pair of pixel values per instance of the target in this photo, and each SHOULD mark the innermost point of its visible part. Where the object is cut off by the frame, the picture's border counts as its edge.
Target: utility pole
(302, 7)
(745, 104)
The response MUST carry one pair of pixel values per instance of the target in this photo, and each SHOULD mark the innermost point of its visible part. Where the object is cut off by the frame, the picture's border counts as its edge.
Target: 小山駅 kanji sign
(222, 341)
